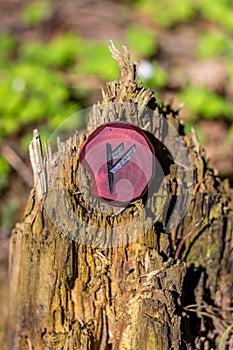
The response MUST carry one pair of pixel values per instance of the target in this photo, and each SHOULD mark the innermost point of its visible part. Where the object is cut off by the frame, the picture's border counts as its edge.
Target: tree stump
(156, 274)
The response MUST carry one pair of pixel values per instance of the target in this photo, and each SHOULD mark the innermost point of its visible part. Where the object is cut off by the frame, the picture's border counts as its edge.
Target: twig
(16, 162)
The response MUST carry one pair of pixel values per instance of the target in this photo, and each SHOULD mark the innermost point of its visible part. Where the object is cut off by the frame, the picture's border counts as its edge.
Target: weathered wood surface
(136, 295)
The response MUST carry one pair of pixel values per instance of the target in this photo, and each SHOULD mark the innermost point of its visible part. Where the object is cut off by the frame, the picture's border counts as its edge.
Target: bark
(135, 291)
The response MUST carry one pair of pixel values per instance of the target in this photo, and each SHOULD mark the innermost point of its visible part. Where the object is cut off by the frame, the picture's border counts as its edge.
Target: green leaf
(9, 124)
(214, 44)
(29, 93)
(97, 60)
(64, 50)
(4, 173)
(10, 101)
(160, 76)
(33, 110)
(157, 79)
(141, 40)
(205, 103)
(167, 12)
(7, 44)
(8, 212)
(60, 52)
(35, 12)
(218, 11)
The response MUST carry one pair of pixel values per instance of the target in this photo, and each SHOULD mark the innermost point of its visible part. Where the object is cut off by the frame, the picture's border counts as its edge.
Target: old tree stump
(156, 274)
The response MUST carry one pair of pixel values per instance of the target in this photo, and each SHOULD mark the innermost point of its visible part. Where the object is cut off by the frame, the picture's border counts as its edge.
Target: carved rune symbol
(113, 168)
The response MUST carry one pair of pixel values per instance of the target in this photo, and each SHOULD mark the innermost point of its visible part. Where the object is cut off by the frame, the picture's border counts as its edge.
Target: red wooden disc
(120, 158)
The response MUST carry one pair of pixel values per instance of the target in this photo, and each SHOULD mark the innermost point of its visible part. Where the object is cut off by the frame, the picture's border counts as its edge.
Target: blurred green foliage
(61, 52)
(33, 86)
(141, 40)
(167, 13)
(7, 44)
(96, 60)
(4, 171)
(8, 212)
(156, 79)
(35, 12)
(217, 11)
(35, 75)
(214, 43)
(205, 103)
(231, 133)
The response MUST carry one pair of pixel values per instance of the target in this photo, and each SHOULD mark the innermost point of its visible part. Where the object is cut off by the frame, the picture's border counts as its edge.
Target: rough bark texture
(136, 295)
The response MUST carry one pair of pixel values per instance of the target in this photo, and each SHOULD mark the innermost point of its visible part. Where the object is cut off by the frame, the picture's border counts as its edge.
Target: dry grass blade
(224, 338)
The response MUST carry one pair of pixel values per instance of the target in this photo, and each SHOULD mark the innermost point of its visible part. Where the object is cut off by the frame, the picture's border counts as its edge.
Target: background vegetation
(54, 59)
